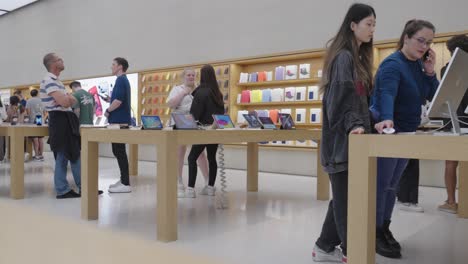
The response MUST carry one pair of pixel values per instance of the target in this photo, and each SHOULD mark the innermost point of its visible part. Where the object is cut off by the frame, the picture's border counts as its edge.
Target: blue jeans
(60, 174)
(389, 171)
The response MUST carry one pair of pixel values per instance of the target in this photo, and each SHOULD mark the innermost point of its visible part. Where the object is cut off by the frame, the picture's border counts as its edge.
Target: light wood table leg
(166, 204)
(323, 182)
(29, 147)
(89, 179)
(463, 189)
(252, 167)
(361, 202)
(133, 162)
(17, 165)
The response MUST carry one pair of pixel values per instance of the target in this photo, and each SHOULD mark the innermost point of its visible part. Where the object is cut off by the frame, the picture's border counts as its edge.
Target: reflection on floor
(279, 224)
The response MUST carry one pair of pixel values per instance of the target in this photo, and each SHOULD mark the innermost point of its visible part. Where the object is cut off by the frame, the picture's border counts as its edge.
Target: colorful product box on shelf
(150, 89)
(277, 95)
(218, 71)
(143, 90)
(304, 71)
(174, 76)
(300, 93)
(143, 111)
(244, 77)
(300, 115)
(253, 77)
(226, 84)
(262, 76)
(156, 89)
(143, 101)
(269, 76)
(315, 115)
(256, 96)
(245, 96)
(274, 115)
(289, 94)
(291, 72)
(279, 73)
(313, 92)
(266, 95)
(143, 78)
(168, 88)
(226, 70)
(156, 100)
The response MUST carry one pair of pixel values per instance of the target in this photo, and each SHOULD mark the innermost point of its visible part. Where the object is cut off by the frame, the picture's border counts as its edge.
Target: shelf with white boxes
(278, 83)
(283, 103)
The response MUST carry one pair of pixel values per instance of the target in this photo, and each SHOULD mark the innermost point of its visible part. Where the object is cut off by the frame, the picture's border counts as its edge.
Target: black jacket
(204, 105)
(345, 108)
(64, 134)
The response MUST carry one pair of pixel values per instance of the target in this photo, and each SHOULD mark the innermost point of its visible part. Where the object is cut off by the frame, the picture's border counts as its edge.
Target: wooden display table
(363, 150)
(167, 142)
(17, 135)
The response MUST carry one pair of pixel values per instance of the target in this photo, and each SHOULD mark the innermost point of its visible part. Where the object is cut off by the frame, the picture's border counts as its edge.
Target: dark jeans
(335, 226)
(408, 191)
(192, 163)
(389, 171)
(119, 151)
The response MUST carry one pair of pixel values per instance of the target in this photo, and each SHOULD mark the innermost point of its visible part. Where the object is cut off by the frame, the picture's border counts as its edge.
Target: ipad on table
(253, 121)
(267, 123)
(150, 122)
(184, 121)
(223, 122)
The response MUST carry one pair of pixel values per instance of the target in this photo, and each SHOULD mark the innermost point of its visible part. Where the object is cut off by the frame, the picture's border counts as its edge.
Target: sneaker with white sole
(411, 207)
(26, 157)
(117, 183)
(120, 188)
(319, 255)
(190, 192)
(180, 191)
(208, 190)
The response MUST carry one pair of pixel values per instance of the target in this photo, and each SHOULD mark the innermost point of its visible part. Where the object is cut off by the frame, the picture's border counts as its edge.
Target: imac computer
(451, 90)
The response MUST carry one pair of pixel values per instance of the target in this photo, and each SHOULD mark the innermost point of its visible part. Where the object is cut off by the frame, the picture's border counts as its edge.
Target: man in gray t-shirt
(33, 108)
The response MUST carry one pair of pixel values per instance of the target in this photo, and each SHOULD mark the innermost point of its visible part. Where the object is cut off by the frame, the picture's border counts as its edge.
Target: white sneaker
(117, 183)
(190, 192)
(318, 255)
(180, 191)
(120, 188)
(26, 156)
(208, 190)
(411, 207)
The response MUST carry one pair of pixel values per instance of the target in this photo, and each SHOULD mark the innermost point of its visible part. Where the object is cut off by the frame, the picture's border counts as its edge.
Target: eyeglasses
(423, 42)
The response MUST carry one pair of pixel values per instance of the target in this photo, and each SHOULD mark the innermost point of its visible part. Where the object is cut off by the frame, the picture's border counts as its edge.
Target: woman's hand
(357, 130)
(429, 63)
(384, 124)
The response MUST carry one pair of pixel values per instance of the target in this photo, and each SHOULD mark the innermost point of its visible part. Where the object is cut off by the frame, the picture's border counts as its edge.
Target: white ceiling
(11, 5)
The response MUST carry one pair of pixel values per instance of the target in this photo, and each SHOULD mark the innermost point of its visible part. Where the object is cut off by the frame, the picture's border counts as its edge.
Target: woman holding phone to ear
(404, 81)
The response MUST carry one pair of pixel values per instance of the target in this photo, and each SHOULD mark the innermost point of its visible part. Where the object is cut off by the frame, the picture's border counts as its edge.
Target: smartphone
(426, 55)
(38, 120)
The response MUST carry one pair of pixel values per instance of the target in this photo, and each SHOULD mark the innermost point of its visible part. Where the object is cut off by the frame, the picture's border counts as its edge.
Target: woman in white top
(180, 100)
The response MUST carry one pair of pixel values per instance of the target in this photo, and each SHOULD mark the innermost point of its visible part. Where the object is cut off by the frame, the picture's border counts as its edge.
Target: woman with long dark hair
(207, 100)
(346, 85)
(404, 81)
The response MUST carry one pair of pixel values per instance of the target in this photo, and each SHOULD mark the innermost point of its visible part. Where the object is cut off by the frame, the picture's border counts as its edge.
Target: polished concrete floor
(279, 224)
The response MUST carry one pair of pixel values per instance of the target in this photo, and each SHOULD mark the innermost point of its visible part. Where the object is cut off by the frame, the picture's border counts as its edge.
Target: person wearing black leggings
(207, 101)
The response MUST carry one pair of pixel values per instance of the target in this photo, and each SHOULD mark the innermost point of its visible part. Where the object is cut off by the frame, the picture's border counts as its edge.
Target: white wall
(88, 34)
